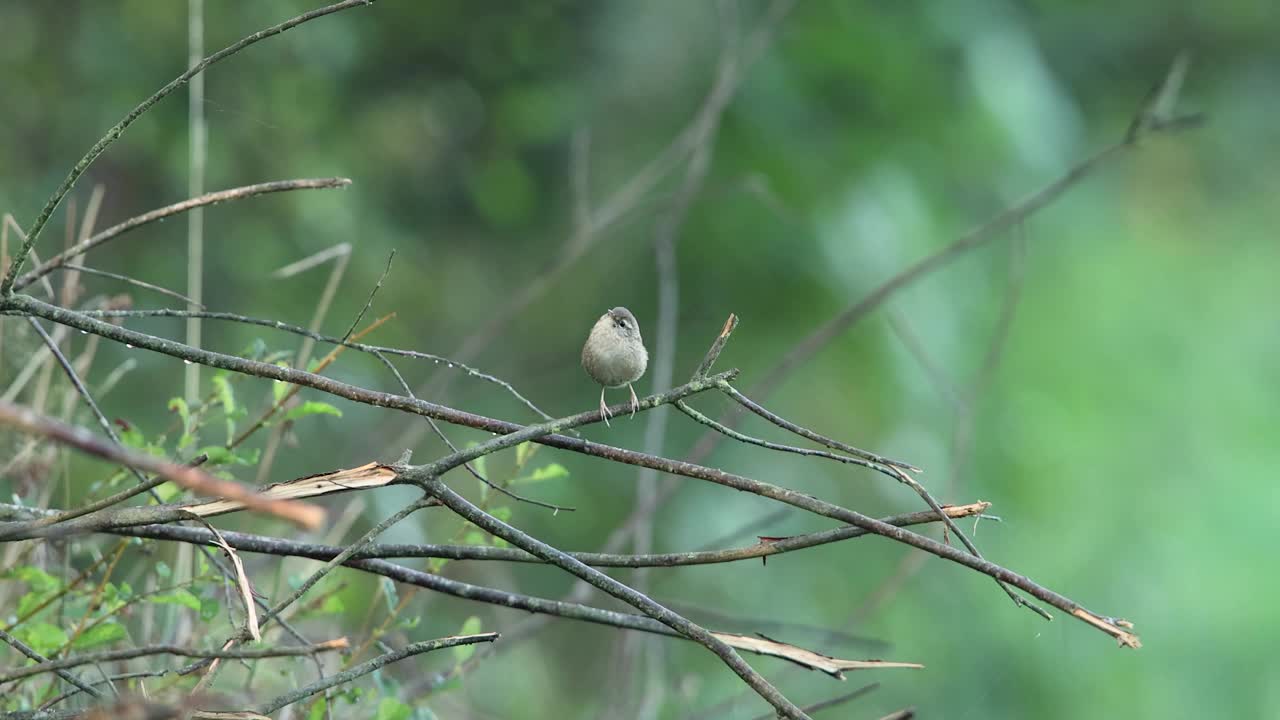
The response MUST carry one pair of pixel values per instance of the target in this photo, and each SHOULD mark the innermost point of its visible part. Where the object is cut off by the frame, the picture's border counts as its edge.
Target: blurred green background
(1126, 436)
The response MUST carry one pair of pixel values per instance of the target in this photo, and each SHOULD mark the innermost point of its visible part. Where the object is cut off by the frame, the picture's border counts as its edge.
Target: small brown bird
(614, 355)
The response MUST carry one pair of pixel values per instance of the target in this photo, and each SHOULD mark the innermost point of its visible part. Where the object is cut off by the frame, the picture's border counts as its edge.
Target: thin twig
(148, 650)
(804, 432)
(372, 293)
(743, 437)
(132, 281)
(839, 700)
(369, 666)
(454, 448)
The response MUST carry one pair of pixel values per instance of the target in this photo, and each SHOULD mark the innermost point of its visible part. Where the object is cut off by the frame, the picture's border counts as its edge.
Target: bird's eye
(622, 322)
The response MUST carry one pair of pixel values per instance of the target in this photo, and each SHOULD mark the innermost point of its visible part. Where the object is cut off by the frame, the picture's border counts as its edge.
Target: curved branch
(7, 285)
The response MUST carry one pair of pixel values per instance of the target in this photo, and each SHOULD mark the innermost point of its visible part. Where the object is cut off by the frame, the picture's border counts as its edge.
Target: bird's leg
(604, 409)
(635, 404)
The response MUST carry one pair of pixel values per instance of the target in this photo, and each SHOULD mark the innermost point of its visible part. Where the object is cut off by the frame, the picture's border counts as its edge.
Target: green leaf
(43, 637)
(389, 592)
(29, 602)
(168, 491)
(546, 472)
(462, 653)
(312, 407)
(474, 537)
(502, 512)
(181, 596)
(226, 396)
(317, 709)
(393, 709)
(219, 455)
(480, 466)
(133, 438)
(332, 605)
(102, 634)
(162, 569)
(110, 594)
(39, 580)
(180, 406)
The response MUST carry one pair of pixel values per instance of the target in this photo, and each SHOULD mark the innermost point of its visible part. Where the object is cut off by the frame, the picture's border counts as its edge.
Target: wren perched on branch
(614, 355)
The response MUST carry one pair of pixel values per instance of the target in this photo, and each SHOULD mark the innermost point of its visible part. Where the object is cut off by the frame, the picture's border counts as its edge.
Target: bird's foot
(604, 410)
(635, 403)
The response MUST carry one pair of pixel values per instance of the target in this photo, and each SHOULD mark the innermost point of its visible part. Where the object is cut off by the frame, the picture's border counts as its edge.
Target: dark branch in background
(74, 378)
(7, 285)
(842, 699)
